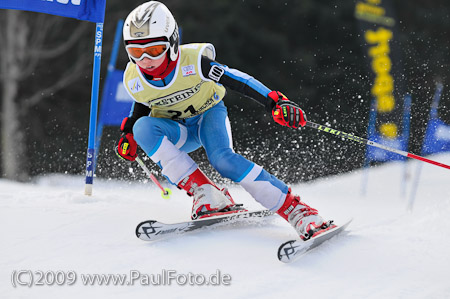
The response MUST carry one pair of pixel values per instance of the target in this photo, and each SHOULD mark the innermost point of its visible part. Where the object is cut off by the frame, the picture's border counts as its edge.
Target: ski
(152, 230)
(294, 249)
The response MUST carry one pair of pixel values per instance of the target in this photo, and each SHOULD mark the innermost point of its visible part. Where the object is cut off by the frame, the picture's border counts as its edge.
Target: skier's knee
(144, 128)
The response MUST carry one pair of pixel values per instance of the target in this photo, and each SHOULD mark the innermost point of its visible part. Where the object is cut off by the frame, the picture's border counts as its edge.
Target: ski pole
(165, 192)
(372, 143)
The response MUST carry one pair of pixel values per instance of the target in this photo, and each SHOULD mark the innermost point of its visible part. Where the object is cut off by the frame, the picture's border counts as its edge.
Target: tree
(24, 36)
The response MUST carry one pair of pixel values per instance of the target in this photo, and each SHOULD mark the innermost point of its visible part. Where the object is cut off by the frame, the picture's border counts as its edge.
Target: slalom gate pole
(90, 156)
(371, 143)
(433, 115)
(165, 192)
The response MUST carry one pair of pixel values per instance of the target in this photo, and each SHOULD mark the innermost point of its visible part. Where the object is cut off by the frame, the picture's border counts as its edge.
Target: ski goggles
(153, 50)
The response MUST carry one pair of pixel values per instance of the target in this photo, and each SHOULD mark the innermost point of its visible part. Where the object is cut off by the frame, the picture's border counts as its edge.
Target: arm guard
(137, 111)
(236, 80)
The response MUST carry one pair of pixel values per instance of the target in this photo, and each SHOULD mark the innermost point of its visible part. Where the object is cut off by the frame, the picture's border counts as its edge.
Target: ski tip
(346, 223)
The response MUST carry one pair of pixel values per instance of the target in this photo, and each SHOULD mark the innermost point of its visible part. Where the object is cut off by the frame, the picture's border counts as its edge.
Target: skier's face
(150, 64)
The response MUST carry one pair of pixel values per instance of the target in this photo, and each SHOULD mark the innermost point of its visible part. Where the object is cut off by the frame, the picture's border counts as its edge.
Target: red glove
(285, 112)
(127, 146)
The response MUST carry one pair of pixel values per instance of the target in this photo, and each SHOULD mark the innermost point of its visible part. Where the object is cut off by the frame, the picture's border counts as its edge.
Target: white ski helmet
(152, 20)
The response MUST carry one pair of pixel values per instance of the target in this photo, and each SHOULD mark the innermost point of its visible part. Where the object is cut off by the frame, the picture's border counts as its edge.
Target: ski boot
(209, 200)
(305, 220)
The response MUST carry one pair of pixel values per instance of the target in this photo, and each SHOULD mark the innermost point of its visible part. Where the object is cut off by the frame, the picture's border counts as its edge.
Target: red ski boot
(209, 200)
(305, 220)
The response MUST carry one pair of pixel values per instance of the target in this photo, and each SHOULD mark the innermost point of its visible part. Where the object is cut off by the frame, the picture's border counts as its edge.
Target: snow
(388, 251)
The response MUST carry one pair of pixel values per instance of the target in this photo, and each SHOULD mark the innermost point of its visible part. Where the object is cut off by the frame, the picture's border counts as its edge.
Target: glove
(285, 112)
(127, 146)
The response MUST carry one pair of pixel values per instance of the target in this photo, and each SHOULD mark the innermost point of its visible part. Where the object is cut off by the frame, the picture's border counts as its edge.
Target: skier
(178, 93)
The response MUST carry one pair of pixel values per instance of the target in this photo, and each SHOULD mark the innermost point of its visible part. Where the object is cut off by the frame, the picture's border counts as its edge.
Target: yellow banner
(377, 24)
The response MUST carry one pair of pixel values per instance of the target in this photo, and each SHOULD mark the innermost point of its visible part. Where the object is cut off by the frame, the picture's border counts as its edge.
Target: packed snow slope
(388, 251)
